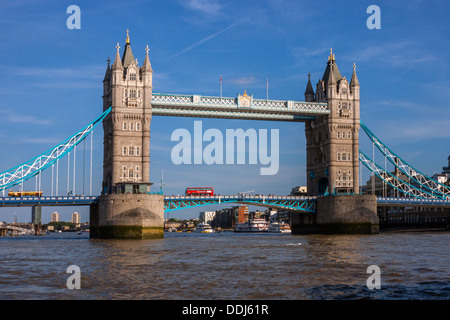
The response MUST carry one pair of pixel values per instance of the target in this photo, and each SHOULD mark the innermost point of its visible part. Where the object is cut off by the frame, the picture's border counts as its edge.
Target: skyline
(52, 79)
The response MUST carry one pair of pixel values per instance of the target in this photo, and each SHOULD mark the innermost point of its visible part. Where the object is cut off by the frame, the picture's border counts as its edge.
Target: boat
(253, 225)
(279, 227)
(203, 228)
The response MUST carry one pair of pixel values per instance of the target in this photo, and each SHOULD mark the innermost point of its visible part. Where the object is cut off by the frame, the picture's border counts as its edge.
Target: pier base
(342, 214)
(128, 216)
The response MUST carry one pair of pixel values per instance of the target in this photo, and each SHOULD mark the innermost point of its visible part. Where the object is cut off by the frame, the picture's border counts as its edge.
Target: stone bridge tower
(127, 88)
(332, 148)
(126, 208)
(332, 141)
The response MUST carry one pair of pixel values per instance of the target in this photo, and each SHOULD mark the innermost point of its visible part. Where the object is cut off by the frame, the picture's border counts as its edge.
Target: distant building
(207, 217)
(75, 217)
(54, 217)
(446, 170)
(241, 212)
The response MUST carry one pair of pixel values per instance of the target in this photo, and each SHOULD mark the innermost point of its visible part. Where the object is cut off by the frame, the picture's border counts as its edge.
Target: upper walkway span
(242, 107)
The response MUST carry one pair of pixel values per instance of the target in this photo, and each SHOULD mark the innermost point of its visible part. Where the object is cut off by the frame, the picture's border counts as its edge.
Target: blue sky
(51, 79)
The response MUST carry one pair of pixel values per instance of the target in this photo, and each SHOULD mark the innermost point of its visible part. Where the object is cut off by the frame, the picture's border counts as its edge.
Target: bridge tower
(126, 209)
(332, 145)
(332, 141)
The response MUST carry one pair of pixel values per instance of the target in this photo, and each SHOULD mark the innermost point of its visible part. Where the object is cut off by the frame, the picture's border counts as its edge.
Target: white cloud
(243, 80)
(10, 116)
(192, 46)
(209, 7)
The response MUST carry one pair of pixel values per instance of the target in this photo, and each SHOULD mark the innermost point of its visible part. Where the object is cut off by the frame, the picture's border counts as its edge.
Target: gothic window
(130, 173)
(138, 126)
(131, 126)
(138, 151)
(124, 151)
(349, 135)
(137, 168)
(133, 93)
(131, 151)
(124, 127)
(339, 134)
(124, 168)
(349, 157)
(339, 156)
(132, 76)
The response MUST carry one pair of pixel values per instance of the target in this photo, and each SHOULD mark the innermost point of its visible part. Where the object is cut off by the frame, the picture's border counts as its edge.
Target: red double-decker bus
(200, 191)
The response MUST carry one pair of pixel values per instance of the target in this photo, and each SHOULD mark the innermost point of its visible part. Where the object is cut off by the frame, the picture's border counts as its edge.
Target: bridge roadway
(171, 203)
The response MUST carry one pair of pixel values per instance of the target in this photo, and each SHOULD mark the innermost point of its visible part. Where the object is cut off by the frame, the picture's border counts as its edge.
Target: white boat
(204, 228)
(279, 227)
(254, 225)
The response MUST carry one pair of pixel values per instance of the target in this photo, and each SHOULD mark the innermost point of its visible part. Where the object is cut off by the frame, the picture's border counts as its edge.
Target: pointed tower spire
(127, 57)
(354, 81)
(331, 77)
(147, 66)
(309, 93)
(117, 63)
(108, 71)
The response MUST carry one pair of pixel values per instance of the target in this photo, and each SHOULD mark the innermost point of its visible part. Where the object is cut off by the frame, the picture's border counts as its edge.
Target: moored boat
(254, 225)
(279, 227)
(204, 228)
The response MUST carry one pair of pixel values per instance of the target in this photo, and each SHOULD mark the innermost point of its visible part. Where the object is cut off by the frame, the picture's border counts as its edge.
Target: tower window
(138, 126)
(130, 173)
(124, 127)
(138, 151)
(131, 126)
(132, 93)
(131, 151)
(132, 76)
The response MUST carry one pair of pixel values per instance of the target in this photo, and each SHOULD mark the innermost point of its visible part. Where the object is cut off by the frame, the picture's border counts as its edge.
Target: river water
(413, 265)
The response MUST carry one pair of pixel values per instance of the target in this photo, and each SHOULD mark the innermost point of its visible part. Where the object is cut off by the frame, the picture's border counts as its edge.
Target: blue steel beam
(307, 204)
(33, 167)
(421, 179)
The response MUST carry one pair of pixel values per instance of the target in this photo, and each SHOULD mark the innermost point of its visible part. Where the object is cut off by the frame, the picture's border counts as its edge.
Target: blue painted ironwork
(412, 202)
(421, 179)
(395, 182)
(47, 201)
(33, 167)
(305, 204)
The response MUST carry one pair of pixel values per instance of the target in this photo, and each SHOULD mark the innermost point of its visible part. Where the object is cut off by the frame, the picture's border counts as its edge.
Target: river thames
(227, 266)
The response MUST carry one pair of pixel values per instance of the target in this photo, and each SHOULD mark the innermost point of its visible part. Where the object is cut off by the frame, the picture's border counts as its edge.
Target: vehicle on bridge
(25, 194)
(200, 191)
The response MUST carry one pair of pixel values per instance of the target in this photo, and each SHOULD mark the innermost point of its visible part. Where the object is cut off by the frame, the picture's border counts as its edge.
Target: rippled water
(414, 265)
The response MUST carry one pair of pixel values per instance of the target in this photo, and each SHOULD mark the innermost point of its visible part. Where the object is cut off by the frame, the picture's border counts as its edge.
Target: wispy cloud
(395, 54)
(12, 117)
(192, 46)
(209, 7)
(243, 80)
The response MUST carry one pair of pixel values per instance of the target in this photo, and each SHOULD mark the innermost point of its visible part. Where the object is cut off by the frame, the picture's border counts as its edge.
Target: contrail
(204, 40)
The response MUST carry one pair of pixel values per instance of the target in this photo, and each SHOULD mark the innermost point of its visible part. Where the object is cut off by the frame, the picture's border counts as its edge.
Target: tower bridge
(127, 208)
